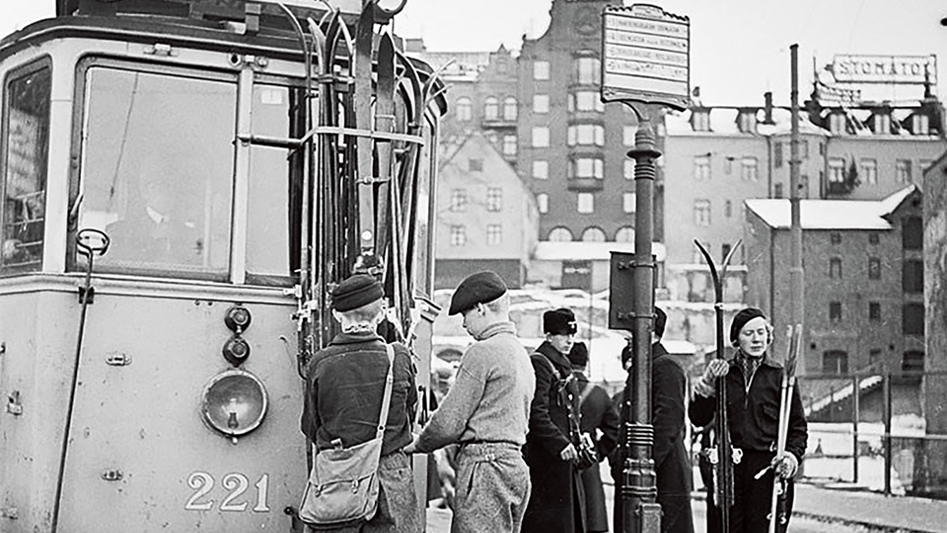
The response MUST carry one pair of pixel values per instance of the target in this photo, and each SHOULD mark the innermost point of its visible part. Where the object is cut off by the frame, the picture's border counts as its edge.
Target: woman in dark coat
(557, 501)
(599, 416)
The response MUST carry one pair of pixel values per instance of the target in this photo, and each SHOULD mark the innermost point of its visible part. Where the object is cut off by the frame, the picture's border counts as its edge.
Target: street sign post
(645, 61)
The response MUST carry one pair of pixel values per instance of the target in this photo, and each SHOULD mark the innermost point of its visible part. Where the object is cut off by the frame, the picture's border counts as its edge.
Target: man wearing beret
(557, 503)
(486, 411)
(344, 389)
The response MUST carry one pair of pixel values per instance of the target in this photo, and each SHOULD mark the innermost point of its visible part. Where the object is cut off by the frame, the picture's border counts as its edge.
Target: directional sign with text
(645, 56)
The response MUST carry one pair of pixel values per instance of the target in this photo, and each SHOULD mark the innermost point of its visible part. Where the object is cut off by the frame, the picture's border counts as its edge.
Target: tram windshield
(157, 166)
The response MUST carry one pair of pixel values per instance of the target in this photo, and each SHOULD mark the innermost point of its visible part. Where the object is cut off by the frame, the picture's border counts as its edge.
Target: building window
(869, 171)
(804, 149)
(587, 168)
(541, 70)
(593, 234)
(804, 186)
(912, 319)
(494, 234)
(835, 362)
(458, 200)
(882, 123)
(26, 126)
(625, 234)
(728, 208)
(475, 165)
(749, 170)
(873, 238)
(836, 170)
(837, 123)
(585, 135)
(747, 121)
(700, 120)
(628, 169)
(585, 101)
(629, 201)
(541, 170)
(464, 109)
(777, 154)
(874, 356)
(777, 190)
(920, 124)
(458, 235)
(835, 237)
(912, 361)
(540, 104)
(628, 135)
(702, 212)
(585, 202)
(902, 171)
(874, 311)
(542, 202)
(912, 276)
(509, 145)
(509, 108)
(702, 167)
(835, 311)
(912, 233)
(494, 199)
(491, 108)
(725, 251)
(835, 267)
(587, 70)
(540, 137)
(874, 268)
(560, 234)
(727, 166)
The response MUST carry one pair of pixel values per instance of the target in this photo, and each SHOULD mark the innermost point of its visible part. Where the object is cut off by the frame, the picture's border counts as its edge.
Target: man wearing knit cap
(486, 411)
(344, 389)
(753, 382)
(558, 500)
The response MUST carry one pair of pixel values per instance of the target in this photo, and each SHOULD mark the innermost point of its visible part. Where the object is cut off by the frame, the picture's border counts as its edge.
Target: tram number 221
(235, 483)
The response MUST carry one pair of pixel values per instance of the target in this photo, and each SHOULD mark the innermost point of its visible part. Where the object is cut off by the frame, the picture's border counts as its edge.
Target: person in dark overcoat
(753, 382)
(600, 421)
(671, 461)
(557, 503)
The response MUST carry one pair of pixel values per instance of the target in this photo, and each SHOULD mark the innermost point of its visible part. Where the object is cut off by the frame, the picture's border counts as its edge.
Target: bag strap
(585, 393)
(386, 399)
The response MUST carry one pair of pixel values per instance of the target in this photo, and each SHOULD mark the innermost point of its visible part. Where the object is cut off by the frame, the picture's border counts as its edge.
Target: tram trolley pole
(645, 65)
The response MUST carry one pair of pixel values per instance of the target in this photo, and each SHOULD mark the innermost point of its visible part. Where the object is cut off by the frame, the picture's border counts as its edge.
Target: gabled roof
(831, 214)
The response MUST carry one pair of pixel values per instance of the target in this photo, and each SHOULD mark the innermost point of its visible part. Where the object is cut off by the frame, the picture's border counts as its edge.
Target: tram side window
(157, 167)
(23, 162)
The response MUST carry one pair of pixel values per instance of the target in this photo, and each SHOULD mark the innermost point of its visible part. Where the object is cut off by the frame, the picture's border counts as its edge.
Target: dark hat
(356, 291)
(579, 356)
(559, 322)
(660, 321)
(740, 320)
(477, 288)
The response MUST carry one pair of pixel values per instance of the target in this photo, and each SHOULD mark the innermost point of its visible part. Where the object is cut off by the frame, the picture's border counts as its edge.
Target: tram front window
(23, 163)
(157, 166)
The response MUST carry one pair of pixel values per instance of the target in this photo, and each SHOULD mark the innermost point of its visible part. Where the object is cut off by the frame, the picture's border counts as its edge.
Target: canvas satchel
(343, 483)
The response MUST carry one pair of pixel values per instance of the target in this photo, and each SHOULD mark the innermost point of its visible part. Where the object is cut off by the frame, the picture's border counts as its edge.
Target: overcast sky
(739, 48)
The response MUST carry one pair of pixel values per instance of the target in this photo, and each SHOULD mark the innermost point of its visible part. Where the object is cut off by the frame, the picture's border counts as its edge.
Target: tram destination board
(645, 56)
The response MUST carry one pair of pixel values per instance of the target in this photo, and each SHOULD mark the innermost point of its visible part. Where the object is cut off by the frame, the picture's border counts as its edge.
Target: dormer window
(747, 121)
(881, 123)
(920, 124)
(837, 123)
(700, 120)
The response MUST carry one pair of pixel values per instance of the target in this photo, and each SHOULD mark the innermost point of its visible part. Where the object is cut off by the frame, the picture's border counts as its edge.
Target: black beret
(559, 322)
(477, 288)
(740, 320)
(356, 291)
(660, 321)
(579, 355)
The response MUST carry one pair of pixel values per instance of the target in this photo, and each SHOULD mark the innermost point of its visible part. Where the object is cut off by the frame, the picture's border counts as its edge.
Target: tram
(183, 182)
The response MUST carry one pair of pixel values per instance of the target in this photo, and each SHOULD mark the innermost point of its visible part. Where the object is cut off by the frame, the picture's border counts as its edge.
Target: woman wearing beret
(753, 382)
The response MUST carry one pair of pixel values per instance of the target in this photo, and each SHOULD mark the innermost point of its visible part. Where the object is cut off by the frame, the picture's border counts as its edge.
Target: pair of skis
(778, 517)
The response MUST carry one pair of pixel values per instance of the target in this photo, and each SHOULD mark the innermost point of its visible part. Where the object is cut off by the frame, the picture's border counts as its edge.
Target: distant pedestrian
(599, 420)
(486, 411)
(344, 389)
(753, 382)
(557, 504)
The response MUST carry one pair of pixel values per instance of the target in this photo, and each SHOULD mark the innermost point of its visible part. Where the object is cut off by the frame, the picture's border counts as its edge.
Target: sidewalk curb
(848, 522)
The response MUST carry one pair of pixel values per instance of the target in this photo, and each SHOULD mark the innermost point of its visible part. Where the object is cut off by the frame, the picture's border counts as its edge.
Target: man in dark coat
(753, 382)
(599, 417)
(671, 463)
(557, 503)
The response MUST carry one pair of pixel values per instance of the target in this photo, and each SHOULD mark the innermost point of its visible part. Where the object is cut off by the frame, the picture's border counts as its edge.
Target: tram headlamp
(236, 350)
(234, 403)
(237, 318)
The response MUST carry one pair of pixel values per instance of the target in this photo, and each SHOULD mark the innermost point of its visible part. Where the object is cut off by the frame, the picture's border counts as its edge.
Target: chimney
(768, 107)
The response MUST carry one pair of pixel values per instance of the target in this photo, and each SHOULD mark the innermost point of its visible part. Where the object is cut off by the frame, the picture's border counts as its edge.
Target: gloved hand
(707, 384)
(785, 464)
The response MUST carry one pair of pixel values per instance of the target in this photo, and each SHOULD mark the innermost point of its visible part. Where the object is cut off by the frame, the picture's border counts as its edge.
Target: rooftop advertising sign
(885, 69)
(645, 56)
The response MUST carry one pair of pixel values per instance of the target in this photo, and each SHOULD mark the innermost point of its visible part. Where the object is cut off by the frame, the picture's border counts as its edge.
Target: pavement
(833, 503)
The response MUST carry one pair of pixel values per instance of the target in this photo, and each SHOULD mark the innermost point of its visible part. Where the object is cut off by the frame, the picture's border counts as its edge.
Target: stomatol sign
(885, 69)
(645, 56)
